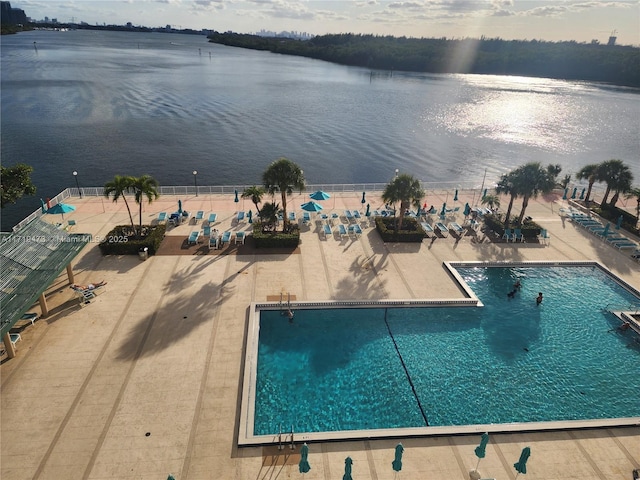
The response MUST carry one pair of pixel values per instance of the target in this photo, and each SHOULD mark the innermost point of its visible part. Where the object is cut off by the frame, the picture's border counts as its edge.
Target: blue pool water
(509, 361)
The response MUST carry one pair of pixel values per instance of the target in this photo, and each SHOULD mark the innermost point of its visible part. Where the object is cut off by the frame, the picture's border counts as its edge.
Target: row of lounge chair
(442, 229)
(514, 235)
(214, 239)
(604, 232)
(176, 218)
(341, 230)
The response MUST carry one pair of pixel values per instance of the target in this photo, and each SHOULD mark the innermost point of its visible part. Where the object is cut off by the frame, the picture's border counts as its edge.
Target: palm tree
(635, 193)
(534, 180)
(506, 186)
(269, 215)
(404, 189)
(255, 194)
(590, 173)
(283, 176)
(618, 177)
(118, 188)
(144, 186)
(492, 200)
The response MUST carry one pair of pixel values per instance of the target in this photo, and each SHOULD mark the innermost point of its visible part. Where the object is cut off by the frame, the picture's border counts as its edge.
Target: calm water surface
(106, 103)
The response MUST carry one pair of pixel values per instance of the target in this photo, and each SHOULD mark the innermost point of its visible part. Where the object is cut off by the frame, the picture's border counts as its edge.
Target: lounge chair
(240, 237)
(226, 237)
(342, 230)
(334, 216)
(306, 218)
(623, 244)
(162, 217)
(214, 242)
(356, 214)
(456, 210)
(193, 237)
(456, 227)
(544, 236)
(15, 338)
(206, 231)
(348, 215)
(212, 218)
(507, 234)
(71, 224)
(428, 229)
(326, 230)
(442, 228)
(517, 235)
(240, 217)
(375, 213)
(292, 216)
(199, 216)
(355, 228)
(28, 317)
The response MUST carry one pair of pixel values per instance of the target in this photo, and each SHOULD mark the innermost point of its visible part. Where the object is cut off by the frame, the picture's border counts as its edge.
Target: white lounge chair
(456, 227)
(212, 218)
(194, 237)
(326, 230)
(342, 230)
(442, 228)
(226, 237)
(199, 216)
(428, 229)
(240, 238)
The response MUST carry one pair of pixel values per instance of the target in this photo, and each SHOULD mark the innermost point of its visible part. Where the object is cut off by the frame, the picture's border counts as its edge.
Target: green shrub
(529, 228)
(411, 231)
(612, 214)
(275, 239)
(119, 241)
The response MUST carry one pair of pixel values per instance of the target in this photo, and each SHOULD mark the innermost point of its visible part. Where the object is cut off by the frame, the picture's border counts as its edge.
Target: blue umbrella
(455, 196)
(43, 207)
(467, 209)
(566, 190)
(582, 193)
(179, 207)
(363, 200)
(397, 461)
(484, 194)
(347, 469)
(236, 194)
(605, 230)
(619, 222)
(304, 466)
(61, 208)
(575, 190)
(171, 477)
(521, 465)
(367, 213)
(311, 207)
(319, 195)
(481, 450)
(250, 216)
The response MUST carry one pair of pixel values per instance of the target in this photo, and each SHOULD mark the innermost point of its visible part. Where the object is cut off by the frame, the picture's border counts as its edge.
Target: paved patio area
(146, 380)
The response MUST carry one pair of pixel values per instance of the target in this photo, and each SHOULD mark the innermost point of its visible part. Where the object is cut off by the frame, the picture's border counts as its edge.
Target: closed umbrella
(481, 450)
(347, 469)
(444, 210)
(575, 190)
(582, 193)
(311, 207)
(605, 231)
(319, 195)
(455, 196)
(179, 207)
(363, 200)
(467, 209)
(367, 213)
(235, 192)
(43, 208)
(484, 194)
(521, 465)
(61, 208)
(566, 191)
(397, 461)
(619, 222)
(304, 466)
(250, 216)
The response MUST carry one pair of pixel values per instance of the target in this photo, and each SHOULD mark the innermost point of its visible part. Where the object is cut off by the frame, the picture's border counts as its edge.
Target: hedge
(119, 241)
(530, 229)
(275, 239)
(411, 232)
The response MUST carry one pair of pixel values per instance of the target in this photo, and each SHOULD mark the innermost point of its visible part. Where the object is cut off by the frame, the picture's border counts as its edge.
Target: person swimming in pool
(539, 298)
(290, 315)
(517, 285)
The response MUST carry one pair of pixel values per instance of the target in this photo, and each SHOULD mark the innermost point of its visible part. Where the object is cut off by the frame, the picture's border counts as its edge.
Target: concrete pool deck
(146, 380)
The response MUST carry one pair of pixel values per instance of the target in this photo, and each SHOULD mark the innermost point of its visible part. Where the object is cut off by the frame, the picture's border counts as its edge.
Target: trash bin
(144, 253)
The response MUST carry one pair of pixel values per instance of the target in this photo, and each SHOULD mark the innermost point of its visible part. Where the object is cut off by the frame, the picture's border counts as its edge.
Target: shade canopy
(444, 209)
(180, 207)
(564, 196)
(311, 207)
(582, 193)
(368, 212)
(397, 461)
(575, 191)
(320, 195)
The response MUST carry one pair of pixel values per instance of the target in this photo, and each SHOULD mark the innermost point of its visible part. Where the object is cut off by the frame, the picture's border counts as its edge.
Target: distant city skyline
(550, 20)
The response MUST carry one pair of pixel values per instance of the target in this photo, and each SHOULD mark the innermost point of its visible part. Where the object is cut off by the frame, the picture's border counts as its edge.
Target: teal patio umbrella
(235, 192)
(250, 216)
(320, 195)
(61, 208)
(311, 207)
(347, 469)
(484, 194)
(521, 465)
(566, 191)
(605, 231)
(481, 450)
(179, 207)
(43, 208)
(304, 466)
(467, 209)
(444, 210)
(363, 200)
(397, 461)
(619, 222)
(455, 196)
(582, 193)
(367, 213)
(575, 191)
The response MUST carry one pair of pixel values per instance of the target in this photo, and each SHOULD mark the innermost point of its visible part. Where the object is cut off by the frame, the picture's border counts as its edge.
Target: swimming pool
(393, 369)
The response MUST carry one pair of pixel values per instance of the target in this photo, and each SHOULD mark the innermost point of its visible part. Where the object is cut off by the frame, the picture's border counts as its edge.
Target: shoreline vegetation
(612, 64)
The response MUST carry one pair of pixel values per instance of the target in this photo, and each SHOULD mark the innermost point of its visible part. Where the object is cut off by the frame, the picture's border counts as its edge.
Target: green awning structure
(31, 259)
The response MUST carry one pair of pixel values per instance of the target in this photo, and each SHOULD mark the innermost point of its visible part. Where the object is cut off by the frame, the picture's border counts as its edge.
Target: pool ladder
(282, 301)
(280, 444)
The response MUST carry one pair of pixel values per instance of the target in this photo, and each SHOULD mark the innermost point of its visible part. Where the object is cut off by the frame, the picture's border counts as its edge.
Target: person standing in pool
(539, 298)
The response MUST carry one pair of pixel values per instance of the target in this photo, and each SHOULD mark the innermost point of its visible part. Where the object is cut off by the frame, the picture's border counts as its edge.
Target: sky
(550, 20)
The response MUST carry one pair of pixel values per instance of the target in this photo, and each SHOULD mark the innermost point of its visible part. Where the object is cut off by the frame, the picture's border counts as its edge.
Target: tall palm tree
(635, 192)
(535, 180)
(255, 194)
(144, 186)
(590, 173)
(404, 189)
(118, 188)
(283, 176)
(618, 177)
(506, 186)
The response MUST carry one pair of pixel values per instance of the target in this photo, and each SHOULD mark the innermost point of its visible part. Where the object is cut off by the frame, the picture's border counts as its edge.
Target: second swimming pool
(509, 361)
